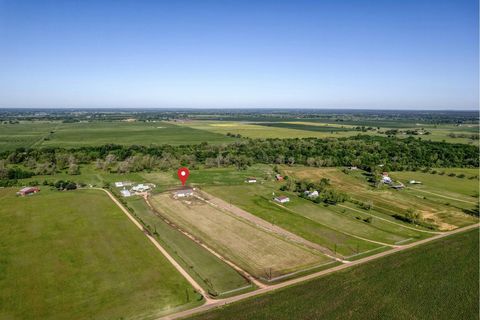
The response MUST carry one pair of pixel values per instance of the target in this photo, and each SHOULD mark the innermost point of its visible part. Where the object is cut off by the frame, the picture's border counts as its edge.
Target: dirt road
(222, 302)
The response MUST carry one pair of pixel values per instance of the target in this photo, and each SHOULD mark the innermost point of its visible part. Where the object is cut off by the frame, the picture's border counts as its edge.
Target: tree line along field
(67, 255)
(260, 253)
(58, 134)
(406, 285)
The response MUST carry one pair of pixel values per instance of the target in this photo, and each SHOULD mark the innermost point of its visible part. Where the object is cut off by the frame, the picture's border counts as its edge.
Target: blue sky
(229, 54)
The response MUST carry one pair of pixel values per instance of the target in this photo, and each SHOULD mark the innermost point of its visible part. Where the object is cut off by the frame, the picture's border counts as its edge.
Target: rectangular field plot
(259, 252)
(214, 275)
(333, 227)
(391, 202)
(75, 255)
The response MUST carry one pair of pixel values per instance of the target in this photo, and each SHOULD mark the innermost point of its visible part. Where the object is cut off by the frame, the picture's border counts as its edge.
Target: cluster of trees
(366, 152)
(414, 132)
(326, 193)
(464, 135)
(13, 173)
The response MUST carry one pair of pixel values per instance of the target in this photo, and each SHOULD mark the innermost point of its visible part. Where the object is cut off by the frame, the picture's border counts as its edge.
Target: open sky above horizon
(218, 53)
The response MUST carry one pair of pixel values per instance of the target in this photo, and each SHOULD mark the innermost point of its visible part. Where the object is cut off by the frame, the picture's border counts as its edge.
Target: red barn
(28, 190)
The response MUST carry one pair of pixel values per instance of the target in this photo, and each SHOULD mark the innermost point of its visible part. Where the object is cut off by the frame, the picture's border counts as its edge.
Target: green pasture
(75, 255)
(438, 281)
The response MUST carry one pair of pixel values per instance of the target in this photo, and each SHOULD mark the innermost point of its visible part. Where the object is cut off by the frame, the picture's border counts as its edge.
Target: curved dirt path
(223, 302)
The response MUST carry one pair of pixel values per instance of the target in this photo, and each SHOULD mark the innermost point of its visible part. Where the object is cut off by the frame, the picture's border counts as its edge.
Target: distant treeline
(374, 118)
(371, 153)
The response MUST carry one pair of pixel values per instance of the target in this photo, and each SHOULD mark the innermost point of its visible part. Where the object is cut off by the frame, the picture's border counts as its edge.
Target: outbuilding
(28, 190)
(311, 194)
(183, 193)
(125, 193)
(282, 199)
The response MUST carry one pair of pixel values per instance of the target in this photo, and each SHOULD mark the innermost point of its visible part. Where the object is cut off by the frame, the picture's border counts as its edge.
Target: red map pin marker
(183, 175)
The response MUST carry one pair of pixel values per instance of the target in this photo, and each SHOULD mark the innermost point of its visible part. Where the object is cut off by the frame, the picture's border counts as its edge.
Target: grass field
(260, 253)
(74, 255)
(38, 134)
(210, 272)
(388, 201)
(437, 281)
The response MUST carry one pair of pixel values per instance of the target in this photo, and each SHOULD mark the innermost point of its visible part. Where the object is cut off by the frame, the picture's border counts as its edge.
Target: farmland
(407, 285)
(63, 259)
(215, 276)
(387, 201)
(57, 134)
(323, 129)
(259, 252)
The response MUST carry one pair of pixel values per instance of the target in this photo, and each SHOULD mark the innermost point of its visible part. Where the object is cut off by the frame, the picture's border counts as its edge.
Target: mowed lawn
(435, 281)
(259, 252)
(75, 255)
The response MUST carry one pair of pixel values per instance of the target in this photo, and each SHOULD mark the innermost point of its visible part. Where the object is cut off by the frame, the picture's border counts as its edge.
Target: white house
(311, 194)
(282, 199)
(125, 193)
(251, 180)
(386, 179)
(141, 188)
(119, 184)
(183, 193)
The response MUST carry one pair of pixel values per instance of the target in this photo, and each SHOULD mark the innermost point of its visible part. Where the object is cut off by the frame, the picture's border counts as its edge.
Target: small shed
(125, 193)
(282, 199)
(28, 190)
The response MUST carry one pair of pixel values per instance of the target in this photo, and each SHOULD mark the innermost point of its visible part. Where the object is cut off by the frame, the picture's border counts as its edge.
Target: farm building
(141, 188)
(353, 168)
(183, 193)
(251, 180)
(311, 194)
(278, 177)
(27, 190)
(282, 199)
(121, 184)
(125, 193)
(415, 182)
